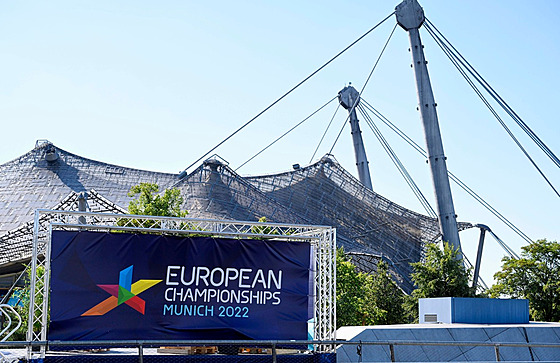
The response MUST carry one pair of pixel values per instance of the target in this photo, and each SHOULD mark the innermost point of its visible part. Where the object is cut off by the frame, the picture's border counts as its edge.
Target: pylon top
(410, 14)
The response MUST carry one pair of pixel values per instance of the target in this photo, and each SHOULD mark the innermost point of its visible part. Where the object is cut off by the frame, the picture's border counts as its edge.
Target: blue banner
(121, 286)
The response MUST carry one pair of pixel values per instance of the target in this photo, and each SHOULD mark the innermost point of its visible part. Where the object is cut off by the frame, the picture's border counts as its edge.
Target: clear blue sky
(154, 85)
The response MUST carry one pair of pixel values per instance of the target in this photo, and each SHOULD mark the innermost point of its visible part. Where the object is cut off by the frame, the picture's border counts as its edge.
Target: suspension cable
(491, 209)
(287, 132)
(456, 63)
(395, 129)
(504, 245)
(379, 58)
(455, 179)
(395, 159)
(324, 133)
(291, 90)
(340, 132)
(364, 86)
(494, 113)
(497, 97)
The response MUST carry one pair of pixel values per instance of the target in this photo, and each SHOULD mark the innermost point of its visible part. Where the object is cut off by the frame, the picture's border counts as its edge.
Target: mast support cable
(287, 93)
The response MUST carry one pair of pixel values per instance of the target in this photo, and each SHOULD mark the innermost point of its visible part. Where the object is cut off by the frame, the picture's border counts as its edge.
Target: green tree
(441, 274)
(535, 276)
(149, 202)
(387, 297)
(263, 229)
(350, 293)
(23, 307)
(363, 299)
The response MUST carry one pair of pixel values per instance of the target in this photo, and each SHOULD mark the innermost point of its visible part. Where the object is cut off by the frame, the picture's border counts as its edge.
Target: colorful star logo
(125, 292)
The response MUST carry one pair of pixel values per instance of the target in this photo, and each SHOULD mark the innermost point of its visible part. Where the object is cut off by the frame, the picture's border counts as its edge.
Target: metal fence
(253, 351)
(445, 351)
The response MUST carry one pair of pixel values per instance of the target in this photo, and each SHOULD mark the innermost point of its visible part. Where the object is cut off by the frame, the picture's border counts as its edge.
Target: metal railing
(7, 311)
(392, 345)
(294, 347)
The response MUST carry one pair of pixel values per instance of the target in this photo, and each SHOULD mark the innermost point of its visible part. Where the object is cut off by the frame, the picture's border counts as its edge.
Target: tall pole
(349, 99)
(410, 16)
(483, 229)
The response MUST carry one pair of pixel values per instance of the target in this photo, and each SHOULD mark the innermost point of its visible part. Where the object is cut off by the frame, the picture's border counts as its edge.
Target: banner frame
(321, 238)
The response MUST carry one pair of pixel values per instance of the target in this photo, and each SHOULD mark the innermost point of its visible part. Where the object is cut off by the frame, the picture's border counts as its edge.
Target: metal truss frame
(321, 238)
(17, 244)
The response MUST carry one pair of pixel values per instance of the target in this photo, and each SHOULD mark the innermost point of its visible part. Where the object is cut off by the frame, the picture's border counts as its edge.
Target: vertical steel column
(32, 285)
(319, 293)
(483, 230)
(46, 290)
(410, 16)
(349, 99)
(333, 283)
(325, 304)
(82, 206)
(274, 353)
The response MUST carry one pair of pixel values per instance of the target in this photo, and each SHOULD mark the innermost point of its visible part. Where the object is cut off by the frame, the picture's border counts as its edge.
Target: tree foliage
(441, 274)
(267, 230)
(149, 202)
(350, 294)
(23, 305)
(535, 276)
(363, 299)
(387, 297)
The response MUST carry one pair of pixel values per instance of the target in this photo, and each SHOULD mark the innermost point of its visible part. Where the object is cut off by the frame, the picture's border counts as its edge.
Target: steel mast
(410, 16)
(349, 99)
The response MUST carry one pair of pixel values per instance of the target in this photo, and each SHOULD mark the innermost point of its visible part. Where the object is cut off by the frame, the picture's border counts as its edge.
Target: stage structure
(321, 239)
